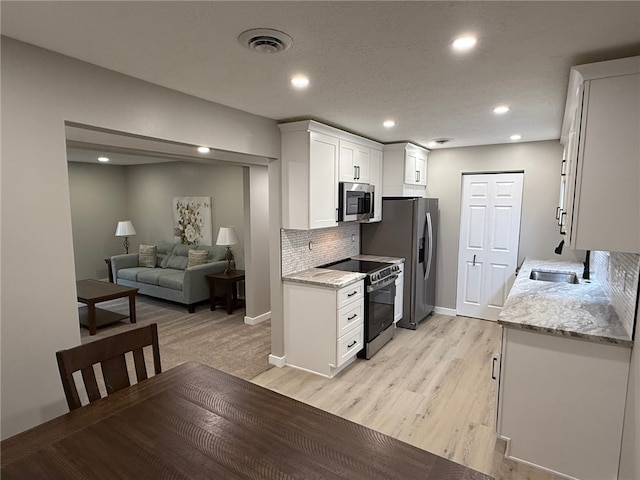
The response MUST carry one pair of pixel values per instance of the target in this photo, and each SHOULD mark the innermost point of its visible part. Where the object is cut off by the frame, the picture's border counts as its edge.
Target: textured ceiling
(367, 61)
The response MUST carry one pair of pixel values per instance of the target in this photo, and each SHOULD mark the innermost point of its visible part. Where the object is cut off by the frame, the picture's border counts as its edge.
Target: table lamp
(227, 236)
(125, 229)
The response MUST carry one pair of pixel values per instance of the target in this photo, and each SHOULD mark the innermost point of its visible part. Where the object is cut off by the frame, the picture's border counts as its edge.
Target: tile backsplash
(618, 273)
(302, 249)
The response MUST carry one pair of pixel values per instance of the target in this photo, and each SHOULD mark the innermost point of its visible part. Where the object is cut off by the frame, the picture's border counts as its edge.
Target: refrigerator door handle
(430, 237)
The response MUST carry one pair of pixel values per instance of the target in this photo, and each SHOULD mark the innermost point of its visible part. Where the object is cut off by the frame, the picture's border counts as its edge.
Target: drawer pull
(352, 344)
(352, 293)
(352, 317)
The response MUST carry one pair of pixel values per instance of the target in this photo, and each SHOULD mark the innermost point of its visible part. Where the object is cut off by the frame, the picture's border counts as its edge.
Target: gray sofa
(170, 278)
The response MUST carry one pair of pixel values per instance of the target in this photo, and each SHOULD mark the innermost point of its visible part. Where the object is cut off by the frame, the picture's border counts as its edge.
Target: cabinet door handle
(337, 214)
(474, 261)
(352, 293)
(558, 209)
(493, 368)
(352, 317)
(352, 344)
(563, 166)
(417, 176)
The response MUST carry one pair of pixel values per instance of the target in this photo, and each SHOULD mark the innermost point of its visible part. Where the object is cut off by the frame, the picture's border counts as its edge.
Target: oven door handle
(388, 281)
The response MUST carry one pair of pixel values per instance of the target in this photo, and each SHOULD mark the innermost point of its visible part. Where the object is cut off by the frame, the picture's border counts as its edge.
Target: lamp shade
(125, 229)
(227, 236)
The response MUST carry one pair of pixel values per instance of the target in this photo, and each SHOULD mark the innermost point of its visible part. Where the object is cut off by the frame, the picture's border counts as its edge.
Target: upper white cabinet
(309, 177)
(405, 170)
(354, 162)
(600, 197)
(315, 157)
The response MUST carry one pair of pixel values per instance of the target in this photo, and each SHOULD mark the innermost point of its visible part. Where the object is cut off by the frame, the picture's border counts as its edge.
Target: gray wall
(103, 194)
(539, 233)
(256, 215)
(98, 195)
(40, 91)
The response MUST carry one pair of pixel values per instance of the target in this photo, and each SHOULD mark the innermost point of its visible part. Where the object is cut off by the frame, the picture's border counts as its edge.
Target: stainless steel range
(379, 298)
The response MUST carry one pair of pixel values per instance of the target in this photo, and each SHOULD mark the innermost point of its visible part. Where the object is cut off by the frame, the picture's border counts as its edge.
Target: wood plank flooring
(429, 387)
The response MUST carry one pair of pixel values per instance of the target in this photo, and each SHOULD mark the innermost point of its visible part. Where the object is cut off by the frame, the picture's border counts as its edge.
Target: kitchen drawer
(349, 317)
(350, 294)
(350, 344)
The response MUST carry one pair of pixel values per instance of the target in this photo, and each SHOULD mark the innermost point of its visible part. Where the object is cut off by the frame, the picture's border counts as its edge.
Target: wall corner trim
(258, 319)
(277, 361)
(445, 311)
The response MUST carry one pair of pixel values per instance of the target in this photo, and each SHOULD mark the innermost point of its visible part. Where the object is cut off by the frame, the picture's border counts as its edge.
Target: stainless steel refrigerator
(408, 229)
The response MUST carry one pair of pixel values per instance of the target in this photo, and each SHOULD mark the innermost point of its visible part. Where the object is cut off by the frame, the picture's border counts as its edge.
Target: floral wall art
(192, 220)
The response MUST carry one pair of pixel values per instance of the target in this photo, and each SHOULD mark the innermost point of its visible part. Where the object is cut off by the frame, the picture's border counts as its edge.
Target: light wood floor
(429, 387)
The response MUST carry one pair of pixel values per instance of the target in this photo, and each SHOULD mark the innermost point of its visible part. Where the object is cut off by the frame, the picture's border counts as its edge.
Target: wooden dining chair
(109, 353)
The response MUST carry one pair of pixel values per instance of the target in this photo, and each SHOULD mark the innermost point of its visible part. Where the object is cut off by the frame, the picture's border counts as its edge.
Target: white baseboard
(277, 361)
(445, 311)
(258, 319)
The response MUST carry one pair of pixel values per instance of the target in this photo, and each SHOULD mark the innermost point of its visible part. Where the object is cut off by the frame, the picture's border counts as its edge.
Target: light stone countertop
(573, 310)
(324, 277)
(378, 258)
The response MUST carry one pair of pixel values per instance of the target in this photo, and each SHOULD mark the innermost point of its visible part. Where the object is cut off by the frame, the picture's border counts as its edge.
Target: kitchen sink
(560, 277)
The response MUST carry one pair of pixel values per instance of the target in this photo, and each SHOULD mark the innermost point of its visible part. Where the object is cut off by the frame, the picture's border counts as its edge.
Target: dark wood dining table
(196, 422)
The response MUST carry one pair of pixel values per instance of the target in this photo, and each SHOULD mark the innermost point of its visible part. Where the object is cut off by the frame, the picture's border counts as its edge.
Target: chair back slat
(141, 366)
(110, 354)
(90, 383)
(115, 374)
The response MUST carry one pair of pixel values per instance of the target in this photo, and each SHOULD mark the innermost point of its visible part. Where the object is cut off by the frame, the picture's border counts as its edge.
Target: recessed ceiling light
(389, 123)
(516, 137)
(499, 110)
(204, 149)
(103, 159)
(300, 81)
(464, 44)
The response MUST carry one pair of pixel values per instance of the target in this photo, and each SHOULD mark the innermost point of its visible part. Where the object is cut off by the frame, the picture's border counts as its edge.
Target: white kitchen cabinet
(397, 306)
(354, 162)
(324, 326)
(600, 195)
(405, 170)
(309, 177)
(376, 180)
(315, 157)
(561, 401)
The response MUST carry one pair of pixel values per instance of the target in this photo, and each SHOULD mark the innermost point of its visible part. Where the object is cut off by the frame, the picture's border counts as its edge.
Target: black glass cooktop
(350, 265)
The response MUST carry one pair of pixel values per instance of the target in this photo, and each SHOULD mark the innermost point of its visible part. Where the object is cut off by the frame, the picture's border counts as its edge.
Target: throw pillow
(147, 256)
(197, 257)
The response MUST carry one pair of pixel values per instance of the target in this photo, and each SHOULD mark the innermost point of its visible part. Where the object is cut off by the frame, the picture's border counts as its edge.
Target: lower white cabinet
(561, 402)
(324, 326)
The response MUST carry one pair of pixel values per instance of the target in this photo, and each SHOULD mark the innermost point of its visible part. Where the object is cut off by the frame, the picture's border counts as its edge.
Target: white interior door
(488, 247)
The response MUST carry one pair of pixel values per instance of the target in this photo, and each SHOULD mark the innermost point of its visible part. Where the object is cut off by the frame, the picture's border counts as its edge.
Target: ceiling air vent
(441, 141)
(265, 40)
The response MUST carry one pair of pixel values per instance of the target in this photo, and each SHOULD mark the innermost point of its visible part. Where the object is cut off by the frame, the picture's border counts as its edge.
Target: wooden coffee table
(91, 292)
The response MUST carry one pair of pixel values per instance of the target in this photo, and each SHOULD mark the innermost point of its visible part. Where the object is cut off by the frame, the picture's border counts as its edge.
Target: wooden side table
(229, 283)
(108, 262)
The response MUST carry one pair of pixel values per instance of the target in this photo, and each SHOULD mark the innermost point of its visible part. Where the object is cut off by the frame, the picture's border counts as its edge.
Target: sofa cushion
(147, 256)
(173, 281)
(216, 252)
(151, 275)
(177, 262)
(197, 257)
(131, 273)
(182, 249)
(165, 249)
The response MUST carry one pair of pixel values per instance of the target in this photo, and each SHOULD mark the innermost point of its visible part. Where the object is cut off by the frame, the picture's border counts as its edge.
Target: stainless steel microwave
(355, 202)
